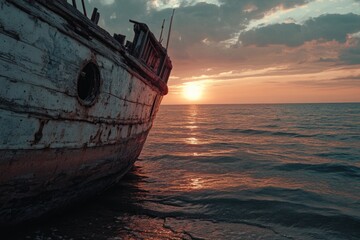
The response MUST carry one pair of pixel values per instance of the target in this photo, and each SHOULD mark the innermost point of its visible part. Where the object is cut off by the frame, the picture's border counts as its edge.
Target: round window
(88, 83)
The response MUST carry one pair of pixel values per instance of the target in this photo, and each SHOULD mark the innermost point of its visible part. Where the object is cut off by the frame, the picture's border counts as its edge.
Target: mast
(169, 33)
(162, 29)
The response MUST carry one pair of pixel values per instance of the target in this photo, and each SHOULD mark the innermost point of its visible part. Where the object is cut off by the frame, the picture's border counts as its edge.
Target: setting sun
(193, 91)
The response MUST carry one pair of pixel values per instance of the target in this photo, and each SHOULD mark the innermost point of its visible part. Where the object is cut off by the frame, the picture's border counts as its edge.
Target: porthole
(88, 84)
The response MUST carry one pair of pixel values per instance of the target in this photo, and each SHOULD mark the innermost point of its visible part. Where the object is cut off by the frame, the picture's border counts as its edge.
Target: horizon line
(275, 103)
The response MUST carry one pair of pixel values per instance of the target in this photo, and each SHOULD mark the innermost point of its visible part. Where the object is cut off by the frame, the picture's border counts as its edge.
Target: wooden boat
(76, 104)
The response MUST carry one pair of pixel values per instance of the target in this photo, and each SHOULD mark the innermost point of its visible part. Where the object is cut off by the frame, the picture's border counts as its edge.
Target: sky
(251, 51)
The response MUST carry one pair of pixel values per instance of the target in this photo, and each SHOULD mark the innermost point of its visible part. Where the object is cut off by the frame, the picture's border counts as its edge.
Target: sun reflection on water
(191, 126)
(192, 137)
(240, 181)
(192, 141)
(196, 183)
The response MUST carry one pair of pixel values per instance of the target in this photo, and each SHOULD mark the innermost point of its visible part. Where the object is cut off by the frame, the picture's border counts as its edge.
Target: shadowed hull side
(39, 181)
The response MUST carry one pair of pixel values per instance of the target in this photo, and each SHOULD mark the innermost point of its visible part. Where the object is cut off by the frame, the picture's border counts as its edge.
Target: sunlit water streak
(231, 172)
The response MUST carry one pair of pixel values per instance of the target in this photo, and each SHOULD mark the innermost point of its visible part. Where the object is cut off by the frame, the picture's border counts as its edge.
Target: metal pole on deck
(168, 39)
(162, 29)
(83, 4)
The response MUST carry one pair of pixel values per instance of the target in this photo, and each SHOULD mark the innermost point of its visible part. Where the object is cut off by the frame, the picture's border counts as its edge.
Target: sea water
(286, 171)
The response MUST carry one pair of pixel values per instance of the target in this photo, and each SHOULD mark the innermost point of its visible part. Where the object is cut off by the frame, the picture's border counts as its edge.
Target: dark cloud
(199, 29)
(193, 23)
(218, 23)
(326, 27)
(284, 34)
(351, 55)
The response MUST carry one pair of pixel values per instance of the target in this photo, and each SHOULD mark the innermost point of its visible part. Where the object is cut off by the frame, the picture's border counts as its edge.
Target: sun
(193, 91)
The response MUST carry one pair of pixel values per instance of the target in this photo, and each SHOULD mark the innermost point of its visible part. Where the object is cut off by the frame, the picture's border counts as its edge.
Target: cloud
(330, 83)
(204, 33)
(195, 20)
(220, 22)
(324, 28)
(163, 4)
(351, 54)
(289, 34)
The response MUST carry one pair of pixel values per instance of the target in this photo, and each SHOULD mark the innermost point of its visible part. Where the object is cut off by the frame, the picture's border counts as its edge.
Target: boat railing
(144, 47)
(149, 51)
(95, 16)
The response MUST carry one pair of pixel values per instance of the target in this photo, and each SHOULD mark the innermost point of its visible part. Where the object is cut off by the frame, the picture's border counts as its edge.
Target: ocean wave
(263, 132)
(167, 157)
(338, 155)
(271, 126)
(355, 137)
(345, 170)
(263, 211)
(219, 159)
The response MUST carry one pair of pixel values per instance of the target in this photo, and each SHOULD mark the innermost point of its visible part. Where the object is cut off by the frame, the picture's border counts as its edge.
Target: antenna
(168, 39)
(162, 29)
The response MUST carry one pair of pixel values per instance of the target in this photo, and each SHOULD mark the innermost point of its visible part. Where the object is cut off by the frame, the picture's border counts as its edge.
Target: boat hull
(38, 181)
(57, 146)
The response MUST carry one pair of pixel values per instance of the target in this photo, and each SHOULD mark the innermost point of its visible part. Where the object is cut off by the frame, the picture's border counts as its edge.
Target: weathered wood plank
(21, 132)
(54, 148)
(31, 84)
(61, 74)
(23, 97)
(99, 44)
